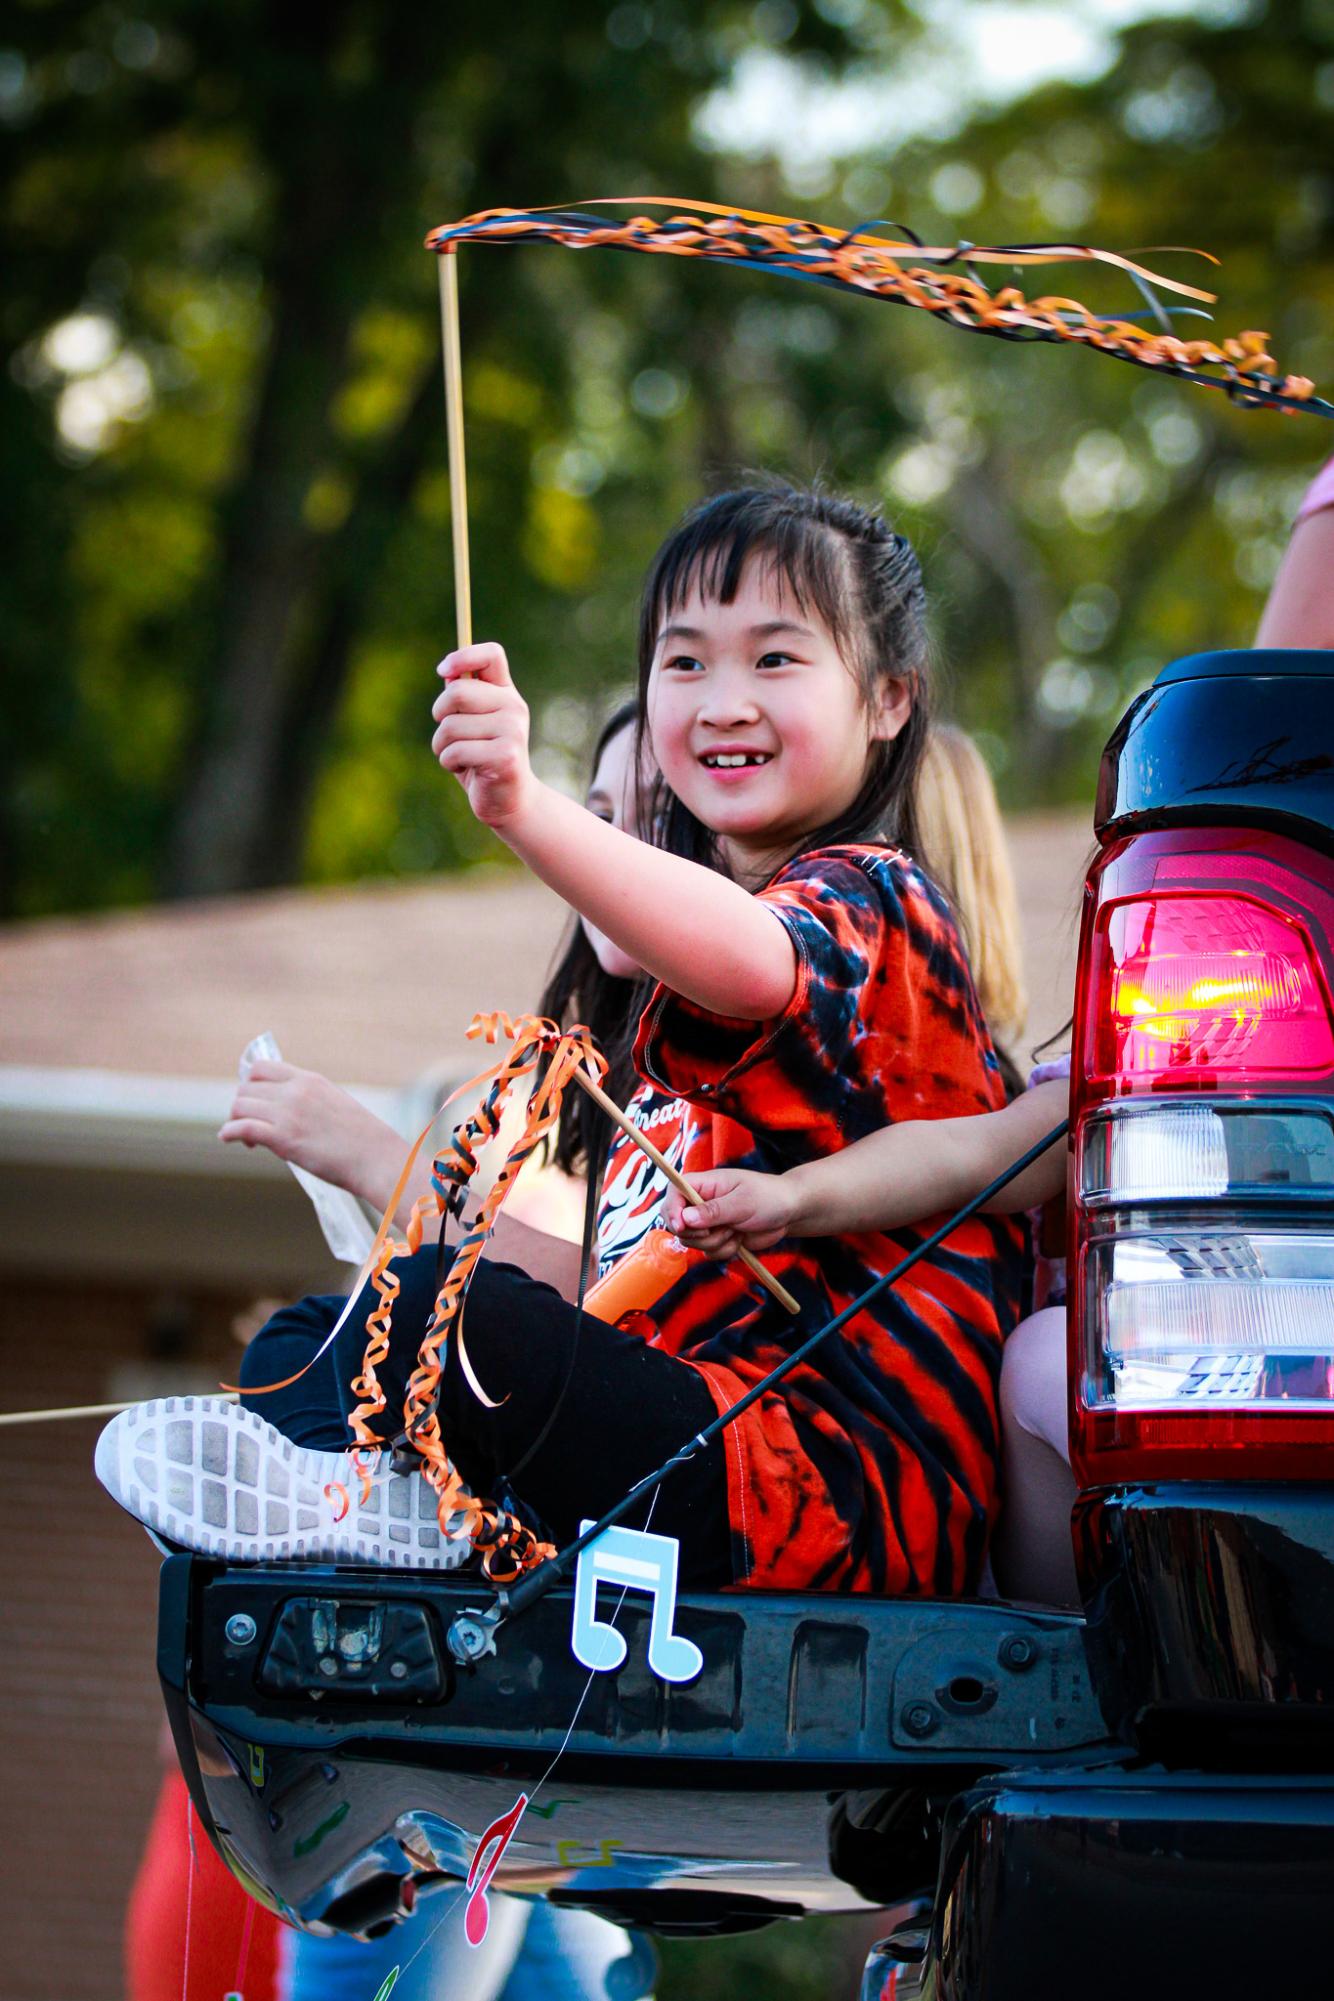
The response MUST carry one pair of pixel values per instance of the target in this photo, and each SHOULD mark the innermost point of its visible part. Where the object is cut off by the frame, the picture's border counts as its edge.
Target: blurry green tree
(224, 441)
(221, 453)
(1091, 522)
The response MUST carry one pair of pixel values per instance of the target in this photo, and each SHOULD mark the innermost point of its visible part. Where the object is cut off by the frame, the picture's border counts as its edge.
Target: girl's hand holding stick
(683, 1187)
(481, 733)
(703, 936)
(889, 1178)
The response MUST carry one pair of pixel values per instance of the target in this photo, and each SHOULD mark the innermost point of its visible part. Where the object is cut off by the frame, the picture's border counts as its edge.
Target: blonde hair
(964, 847)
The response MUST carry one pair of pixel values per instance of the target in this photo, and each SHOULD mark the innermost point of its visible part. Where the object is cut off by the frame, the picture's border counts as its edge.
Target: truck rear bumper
(1152, 1885)
(344, 1763)
(1210, 1612)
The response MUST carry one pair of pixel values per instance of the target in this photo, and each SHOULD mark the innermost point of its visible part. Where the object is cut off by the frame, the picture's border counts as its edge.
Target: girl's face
(612, 797)
(757, 722)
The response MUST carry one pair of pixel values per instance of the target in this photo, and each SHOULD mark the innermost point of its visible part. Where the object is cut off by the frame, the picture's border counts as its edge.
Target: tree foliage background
(222, 482)
(223, 502)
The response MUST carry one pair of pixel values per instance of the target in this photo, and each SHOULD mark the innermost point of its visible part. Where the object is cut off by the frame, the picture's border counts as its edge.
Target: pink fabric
(1320, 493)
(189, 1932)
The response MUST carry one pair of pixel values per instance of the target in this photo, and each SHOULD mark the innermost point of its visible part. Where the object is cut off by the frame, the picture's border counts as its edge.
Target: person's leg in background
(575, 1956)
(1032, 1550)
(435, 1961)
(531, 1952)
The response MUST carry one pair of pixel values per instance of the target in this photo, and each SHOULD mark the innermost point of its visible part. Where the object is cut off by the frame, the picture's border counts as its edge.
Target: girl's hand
(482, 733)
(311, 1123)
(740, 1210)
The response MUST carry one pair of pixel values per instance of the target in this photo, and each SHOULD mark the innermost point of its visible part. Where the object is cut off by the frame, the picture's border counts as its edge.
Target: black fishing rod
(472, 1633)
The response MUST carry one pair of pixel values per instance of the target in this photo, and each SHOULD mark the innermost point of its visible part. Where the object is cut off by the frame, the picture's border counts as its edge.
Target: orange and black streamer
(507, 1547)
(940, 280)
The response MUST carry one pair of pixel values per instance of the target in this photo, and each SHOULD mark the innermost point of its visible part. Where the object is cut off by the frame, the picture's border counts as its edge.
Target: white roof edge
(125, 1120)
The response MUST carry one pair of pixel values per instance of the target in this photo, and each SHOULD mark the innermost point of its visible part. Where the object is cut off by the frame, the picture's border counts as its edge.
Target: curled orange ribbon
(509, 1547)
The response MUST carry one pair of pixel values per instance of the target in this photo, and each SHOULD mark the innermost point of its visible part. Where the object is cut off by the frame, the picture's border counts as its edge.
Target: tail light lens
(1202, 1283)
(1198, 984)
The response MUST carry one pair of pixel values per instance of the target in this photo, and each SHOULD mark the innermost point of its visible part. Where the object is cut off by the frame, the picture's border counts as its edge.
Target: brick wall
(79, 1703)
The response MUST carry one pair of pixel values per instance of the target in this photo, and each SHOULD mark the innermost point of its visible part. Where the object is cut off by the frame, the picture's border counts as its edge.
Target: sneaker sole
(215, 1478)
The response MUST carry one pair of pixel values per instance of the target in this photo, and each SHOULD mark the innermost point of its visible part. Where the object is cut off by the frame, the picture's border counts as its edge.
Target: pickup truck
(1135, 1799)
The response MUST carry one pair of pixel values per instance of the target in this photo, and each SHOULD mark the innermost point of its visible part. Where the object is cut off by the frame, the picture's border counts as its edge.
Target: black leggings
(623, 1407)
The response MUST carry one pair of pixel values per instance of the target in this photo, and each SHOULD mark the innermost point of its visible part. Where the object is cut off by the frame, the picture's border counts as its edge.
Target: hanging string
(189, 1893)
(451, 1905)
(71, 1410)
(238, 1992)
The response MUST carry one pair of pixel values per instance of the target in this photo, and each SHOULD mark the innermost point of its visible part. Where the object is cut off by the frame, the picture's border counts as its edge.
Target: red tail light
(1193, 985)
(1202, 1276)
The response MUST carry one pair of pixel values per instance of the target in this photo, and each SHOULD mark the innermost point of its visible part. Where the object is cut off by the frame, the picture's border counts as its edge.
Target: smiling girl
(811, 987)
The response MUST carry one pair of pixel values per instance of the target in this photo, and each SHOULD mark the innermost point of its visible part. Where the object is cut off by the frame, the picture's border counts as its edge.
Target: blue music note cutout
(641, 1562)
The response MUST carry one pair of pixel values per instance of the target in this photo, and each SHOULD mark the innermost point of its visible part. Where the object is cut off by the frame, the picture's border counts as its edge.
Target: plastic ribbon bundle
(914, 274)
(508, 1547)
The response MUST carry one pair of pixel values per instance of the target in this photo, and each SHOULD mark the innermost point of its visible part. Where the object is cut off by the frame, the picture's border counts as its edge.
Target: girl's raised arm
(898, 1175)
(1300, 611)
(701, 935)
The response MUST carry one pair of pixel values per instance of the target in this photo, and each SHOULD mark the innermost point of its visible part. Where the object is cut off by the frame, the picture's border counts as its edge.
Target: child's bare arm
(702, 935)
(892, 1177)
(312, 1122)
(1300, 611)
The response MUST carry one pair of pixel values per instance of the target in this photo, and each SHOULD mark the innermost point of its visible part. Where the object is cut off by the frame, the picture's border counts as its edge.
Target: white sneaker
(210, 1476)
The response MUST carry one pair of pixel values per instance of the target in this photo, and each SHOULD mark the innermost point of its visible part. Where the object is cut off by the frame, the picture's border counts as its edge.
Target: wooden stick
(458, 508)
(458, 484)
(679, 1182)
(80, 1410)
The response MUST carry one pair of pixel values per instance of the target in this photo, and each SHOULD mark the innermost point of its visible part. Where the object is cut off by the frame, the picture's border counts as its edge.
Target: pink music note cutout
(641, 1562)
(477, 1914)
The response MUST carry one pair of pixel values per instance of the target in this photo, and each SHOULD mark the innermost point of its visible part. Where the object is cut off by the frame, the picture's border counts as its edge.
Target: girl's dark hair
(580, 991)
(863, 581)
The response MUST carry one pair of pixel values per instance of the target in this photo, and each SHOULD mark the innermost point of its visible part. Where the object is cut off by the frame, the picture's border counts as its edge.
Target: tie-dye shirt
(873, 1466)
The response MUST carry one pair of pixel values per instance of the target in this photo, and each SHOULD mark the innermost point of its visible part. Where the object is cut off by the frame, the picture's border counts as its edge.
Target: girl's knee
(287, 1339)
(1033, 1378)
(283, 1382)
(258, 1361)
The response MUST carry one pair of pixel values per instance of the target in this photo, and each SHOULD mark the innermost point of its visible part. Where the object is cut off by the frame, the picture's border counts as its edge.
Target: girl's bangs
(802, 557)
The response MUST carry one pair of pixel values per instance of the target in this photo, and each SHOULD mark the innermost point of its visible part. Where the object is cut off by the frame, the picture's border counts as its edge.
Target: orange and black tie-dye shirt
(873, 1466)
